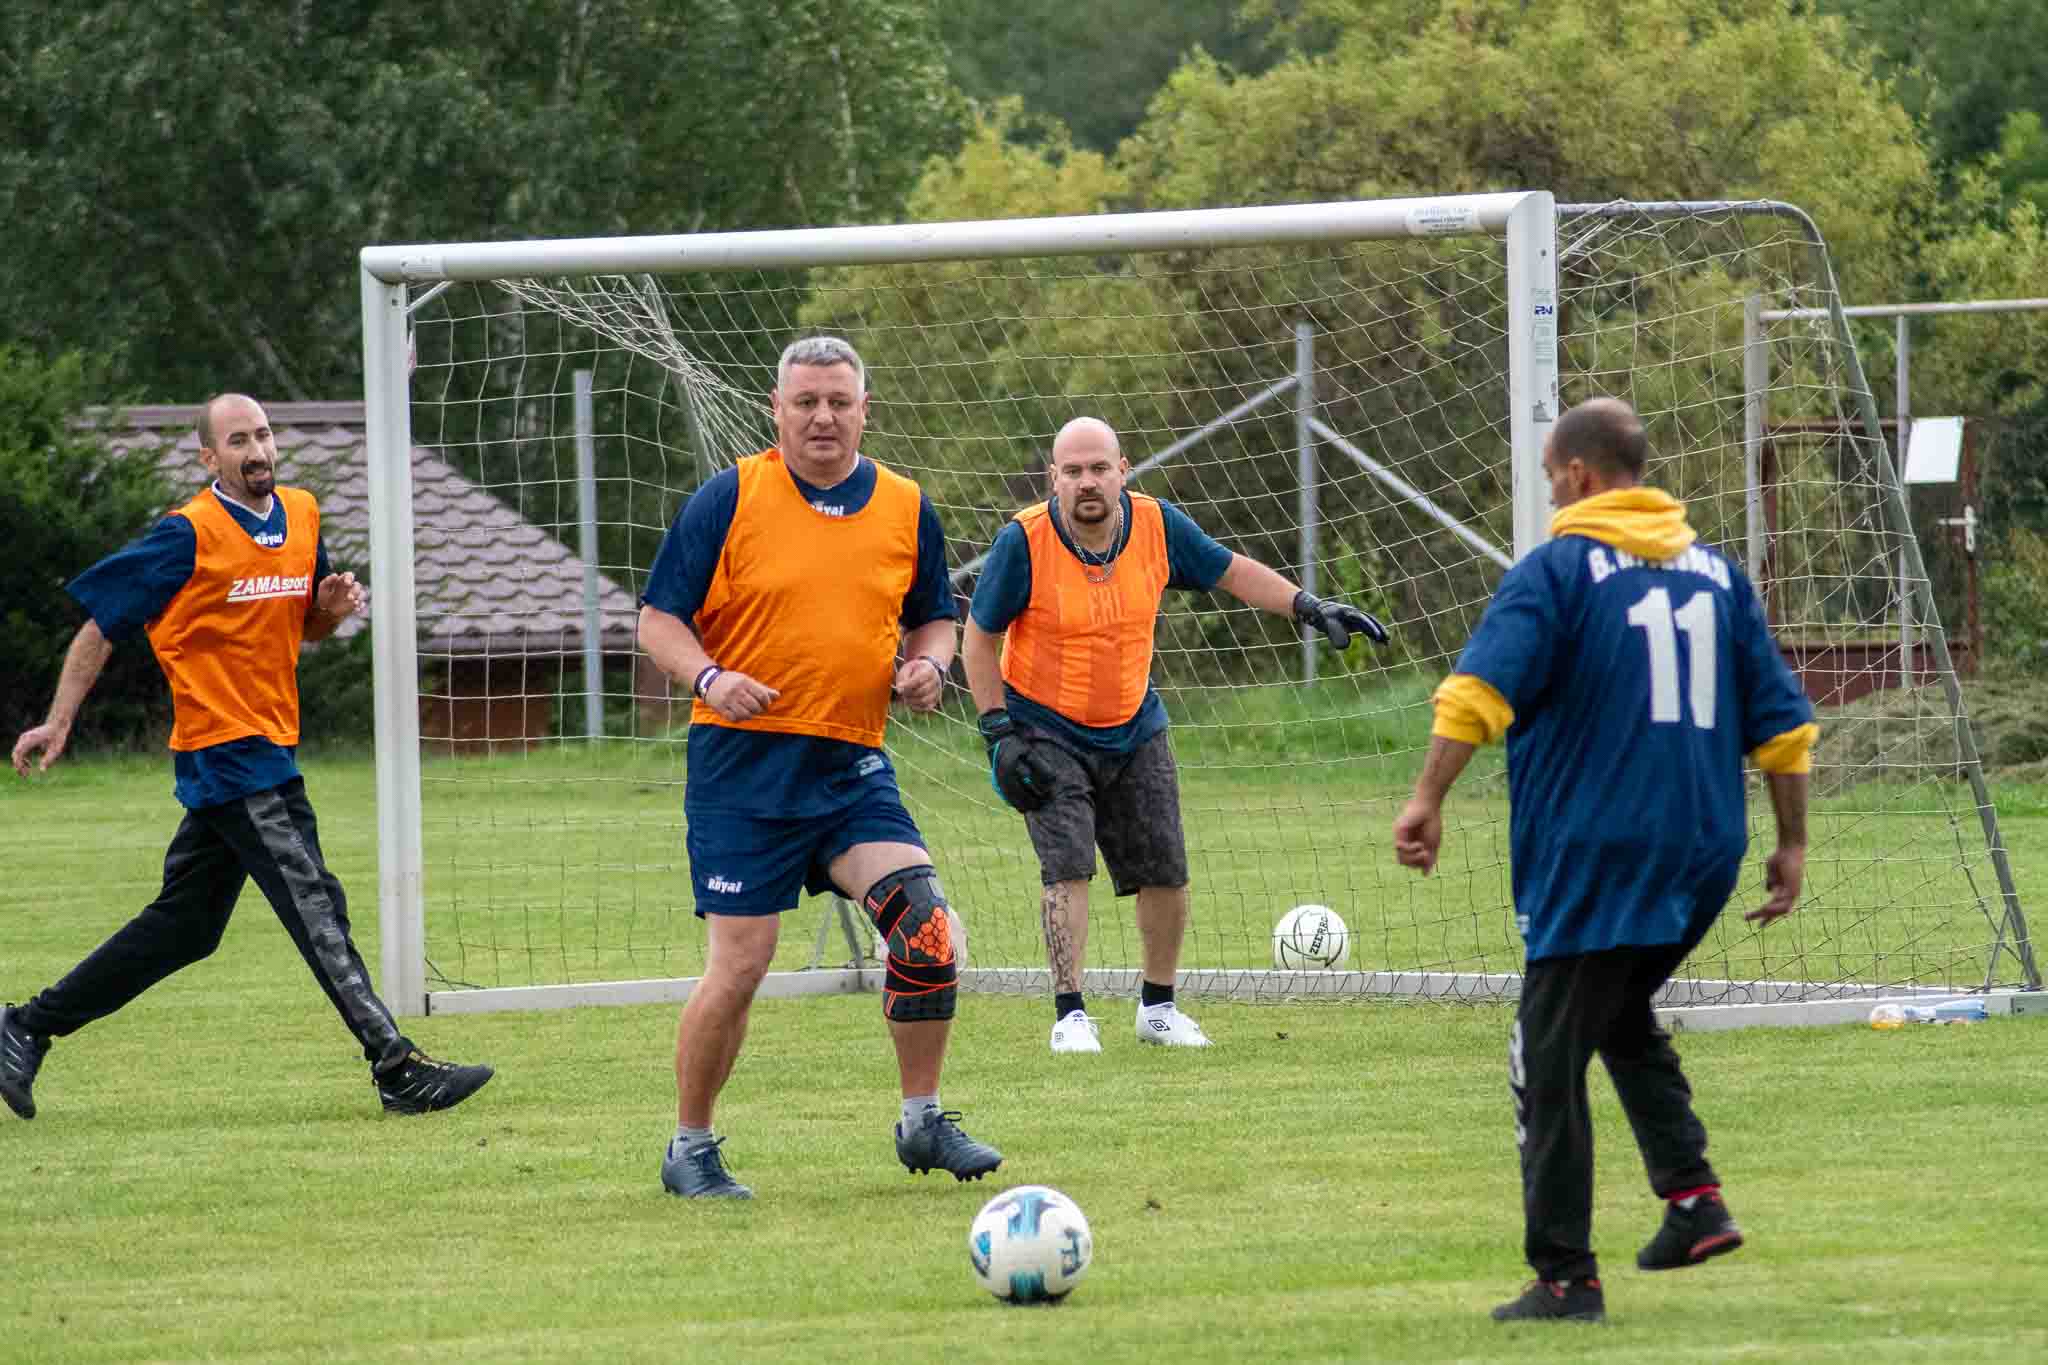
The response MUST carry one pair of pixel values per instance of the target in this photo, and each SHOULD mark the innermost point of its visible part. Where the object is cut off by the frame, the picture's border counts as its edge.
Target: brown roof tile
(487, 580)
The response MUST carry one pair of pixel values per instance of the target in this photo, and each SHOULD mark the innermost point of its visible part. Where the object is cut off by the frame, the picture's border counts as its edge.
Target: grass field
(210, 1179)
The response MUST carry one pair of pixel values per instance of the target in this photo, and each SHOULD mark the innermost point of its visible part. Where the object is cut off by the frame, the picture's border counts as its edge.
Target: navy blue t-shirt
(132, 586)
(759, 770)
(1637, 688)
(1194, 561)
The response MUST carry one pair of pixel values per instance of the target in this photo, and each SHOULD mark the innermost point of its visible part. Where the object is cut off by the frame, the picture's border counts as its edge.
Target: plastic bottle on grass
(1968, 1010)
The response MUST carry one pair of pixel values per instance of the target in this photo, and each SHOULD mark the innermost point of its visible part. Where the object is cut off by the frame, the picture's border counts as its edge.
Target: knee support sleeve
(922, 975)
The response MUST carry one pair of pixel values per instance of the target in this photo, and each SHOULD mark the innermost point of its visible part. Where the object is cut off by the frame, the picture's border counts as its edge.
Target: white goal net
(1339, 391)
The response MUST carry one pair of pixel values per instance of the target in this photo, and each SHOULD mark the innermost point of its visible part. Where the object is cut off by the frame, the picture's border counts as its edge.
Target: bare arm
(1255, 585)
(1785, 869)
(679, 654)
(1419, 829)
(83, 661)
(982, 655)
(927, 659)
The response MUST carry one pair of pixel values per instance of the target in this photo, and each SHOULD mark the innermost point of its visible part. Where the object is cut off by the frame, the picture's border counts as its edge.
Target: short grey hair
(821, 351)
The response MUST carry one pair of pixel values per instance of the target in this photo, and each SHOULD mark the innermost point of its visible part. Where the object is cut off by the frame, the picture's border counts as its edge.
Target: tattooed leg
(1065, 915)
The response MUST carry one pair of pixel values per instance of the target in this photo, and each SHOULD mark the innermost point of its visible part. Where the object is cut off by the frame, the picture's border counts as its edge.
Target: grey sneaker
(421, 1085)
(699, 1173)
(21, 1055)
(938, 1145)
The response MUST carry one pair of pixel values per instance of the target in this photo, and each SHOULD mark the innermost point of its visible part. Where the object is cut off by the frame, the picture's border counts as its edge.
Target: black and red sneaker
(1692, 1235)
(1556, 1301)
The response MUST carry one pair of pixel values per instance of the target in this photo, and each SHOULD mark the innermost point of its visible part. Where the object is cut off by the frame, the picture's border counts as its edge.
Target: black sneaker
(421, 1085)
(1556, 1301)
(21, 1054)
(700, 1173)
(1690, 1236)
(938, 1144)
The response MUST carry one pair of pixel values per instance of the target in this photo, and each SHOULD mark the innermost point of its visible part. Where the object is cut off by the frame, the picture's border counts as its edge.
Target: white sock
(688, 1137)
(913, 1110)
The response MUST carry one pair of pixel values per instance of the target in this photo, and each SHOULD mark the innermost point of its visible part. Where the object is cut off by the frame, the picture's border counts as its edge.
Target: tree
(66, 500)
(1091, 64)
(189, 183)
(1963, 66)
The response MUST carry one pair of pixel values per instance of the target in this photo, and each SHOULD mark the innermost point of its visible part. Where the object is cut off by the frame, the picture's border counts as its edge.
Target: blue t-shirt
(131, 587)
(1194, 561)
(758, 770)
(1637, 689)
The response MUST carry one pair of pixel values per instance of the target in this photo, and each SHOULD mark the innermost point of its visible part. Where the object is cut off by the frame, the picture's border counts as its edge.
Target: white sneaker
(1167, 1026)
(1076, 1032)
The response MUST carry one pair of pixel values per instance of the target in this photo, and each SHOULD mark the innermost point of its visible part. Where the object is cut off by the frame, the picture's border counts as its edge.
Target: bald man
(1630, 668)
(225, 588)
(1058, 651)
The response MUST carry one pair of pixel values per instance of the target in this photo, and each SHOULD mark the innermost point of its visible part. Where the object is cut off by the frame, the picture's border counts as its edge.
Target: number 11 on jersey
(1652, 614)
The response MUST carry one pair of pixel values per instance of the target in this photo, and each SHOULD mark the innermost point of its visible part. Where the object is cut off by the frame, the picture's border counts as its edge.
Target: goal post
(1357, 393)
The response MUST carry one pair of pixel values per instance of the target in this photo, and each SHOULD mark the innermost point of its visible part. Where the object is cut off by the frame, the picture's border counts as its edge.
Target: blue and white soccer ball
(1310, 938)
(1030, 1244)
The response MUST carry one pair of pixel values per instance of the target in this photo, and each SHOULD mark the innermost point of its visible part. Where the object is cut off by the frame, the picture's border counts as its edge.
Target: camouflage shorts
(1129, 804)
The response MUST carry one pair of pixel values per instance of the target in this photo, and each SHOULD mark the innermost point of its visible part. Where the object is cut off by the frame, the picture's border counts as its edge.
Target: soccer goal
(1356, 393)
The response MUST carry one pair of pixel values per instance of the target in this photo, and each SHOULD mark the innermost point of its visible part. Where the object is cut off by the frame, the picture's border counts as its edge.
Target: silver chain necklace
(1106, 560)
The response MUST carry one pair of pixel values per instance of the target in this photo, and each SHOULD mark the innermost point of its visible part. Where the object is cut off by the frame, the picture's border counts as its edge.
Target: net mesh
(1338, 411)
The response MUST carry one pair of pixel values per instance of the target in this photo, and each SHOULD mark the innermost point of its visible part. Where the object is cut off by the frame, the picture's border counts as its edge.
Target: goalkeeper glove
(1015, 770)
(1337, 621)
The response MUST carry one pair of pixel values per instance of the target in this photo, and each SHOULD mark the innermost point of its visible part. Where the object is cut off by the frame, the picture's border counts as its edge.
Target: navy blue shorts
(743, 864)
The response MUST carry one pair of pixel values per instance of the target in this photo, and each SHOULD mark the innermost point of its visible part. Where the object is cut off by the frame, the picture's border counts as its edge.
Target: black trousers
(270, 836)
(1571, 1009)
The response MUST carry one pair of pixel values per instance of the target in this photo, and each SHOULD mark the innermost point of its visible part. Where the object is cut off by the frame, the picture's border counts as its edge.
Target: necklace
(1105, 561)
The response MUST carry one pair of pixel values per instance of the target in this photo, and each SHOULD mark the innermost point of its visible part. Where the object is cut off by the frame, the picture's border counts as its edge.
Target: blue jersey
(1637, 688)
(132, 586)
(1194, 559)
(745, 771)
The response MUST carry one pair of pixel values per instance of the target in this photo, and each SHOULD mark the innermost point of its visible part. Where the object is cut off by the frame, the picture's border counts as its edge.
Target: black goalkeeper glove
(1337, 621)
(1015, 769)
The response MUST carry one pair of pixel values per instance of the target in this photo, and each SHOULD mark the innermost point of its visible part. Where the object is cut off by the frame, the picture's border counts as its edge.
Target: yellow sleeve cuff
(1788, 754)
(1469, 710)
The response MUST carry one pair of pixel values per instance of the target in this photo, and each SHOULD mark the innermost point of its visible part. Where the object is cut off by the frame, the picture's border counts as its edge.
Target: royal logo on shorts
(724, 886)
(268, 585)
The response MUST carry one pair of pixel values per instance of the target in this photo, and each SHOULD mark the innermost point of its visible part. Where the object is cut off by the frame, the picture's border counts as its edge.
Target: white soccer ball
(1030, 1244)
(1310, 938)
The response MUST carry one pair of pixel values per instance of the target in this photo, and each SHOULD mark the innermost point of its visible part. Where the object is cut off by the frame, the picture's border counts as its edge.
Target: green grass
(210, 1178)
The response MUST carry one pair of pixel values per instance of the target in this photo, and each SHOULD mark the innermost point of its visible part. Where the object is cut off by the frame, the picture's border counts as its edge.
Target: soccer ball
(1030, 1244)
(1309, 938)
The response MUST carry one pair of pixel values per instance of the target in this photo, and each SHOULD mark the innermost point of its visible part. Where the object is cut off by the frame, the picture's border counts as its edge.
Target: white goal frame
(1526, 223)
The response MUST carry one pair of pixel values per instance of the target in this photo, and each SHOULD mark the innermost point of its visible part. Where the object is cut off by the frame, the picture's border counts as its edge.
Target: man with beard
(225, 587)
(1076, 734)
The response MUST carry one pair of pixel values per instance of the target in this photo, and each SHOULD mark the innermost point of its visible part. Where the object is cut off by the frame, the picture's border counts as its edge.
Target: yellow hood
(1645, 522)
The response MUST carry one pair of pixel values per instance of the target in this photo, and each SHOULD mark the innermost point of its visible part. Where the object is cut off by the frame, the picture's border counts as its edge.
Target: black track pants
(1571, 1009)
(270, 836)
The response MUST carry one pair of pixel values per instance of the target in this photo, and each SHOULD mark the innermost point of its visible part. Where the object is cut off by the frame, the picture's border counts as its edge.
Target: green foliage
(336, 700)
(1964, 67)
(1060, 57)
(66, 500)
(245, 153)
(2015, 597)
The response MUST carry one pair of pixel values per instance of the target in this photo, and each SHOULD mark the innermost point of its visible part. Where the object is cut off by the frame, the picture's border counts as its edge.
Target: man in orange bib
(781, 597)
(1076, 735)
(225, 587)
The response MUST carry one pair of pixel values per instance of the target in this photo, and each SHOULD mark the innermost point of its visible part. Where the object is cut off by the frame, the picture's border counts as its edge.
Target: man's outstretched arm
(82, 664)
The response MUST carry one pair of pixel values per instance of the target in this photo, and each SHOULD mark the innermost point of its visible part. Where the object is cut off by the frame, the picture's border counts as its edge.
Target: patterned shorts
(1129, 804)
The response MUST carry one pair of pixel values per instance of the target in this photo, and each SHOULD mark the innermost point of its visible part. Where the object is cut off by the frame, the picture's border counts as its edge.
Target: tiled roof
(487, 581)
